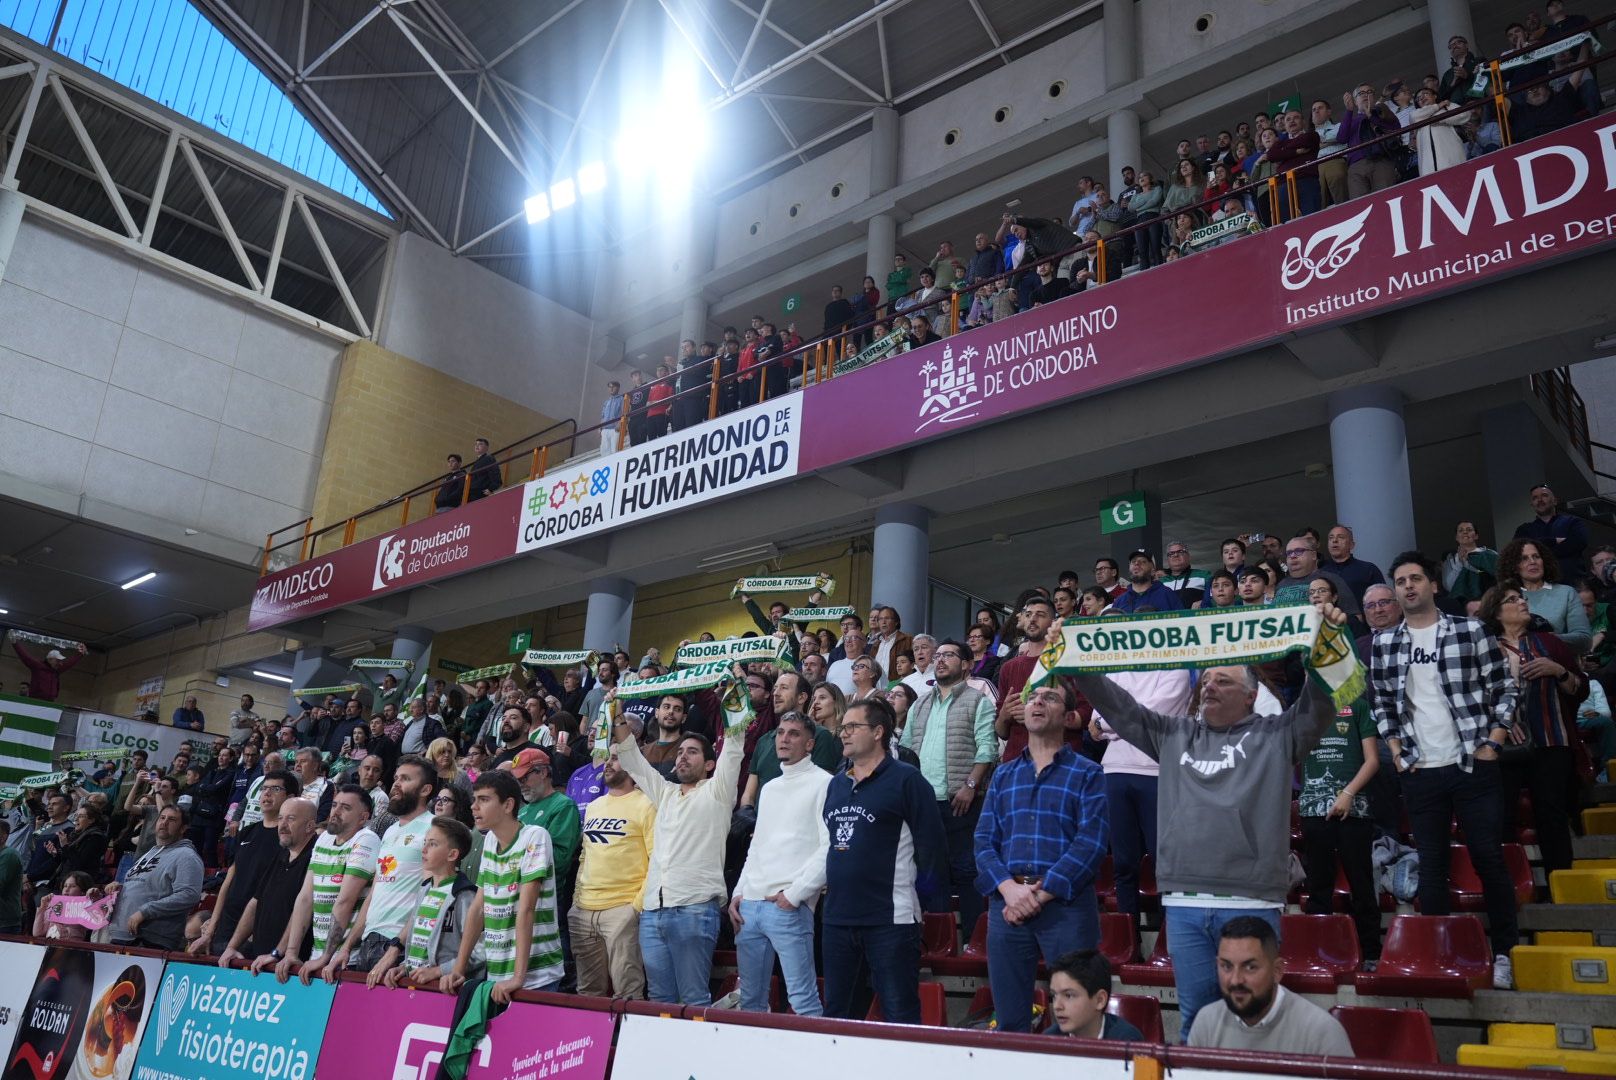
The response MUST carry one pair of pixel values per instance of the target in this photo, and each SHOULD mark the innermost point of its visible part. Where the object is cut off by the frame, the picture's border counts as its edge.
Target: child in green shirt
(430, 941)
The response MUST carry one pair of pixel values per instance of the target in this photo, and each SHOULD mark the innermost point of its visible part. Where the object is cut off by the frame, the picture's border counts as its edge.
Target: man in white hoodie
(773, 906)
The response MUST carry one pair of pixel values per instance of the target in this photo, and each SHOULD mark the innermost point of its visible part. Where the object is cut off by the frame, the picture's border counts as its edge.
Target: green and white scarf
(879, 349)
(380, 663)
(1205, 639)
(51, 779)
(322, 691)
(109, 754)
(743, 650)
(43, 639)
(684, 681)
(561, 658)
(803, 616)
(823, 583)
(497, 671)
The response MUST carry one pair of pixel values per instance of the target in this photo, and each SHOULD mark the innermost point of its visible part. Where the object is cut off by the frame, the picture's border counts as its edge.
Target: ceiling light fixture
(563, 193)
(141, 580)
(592, 178)
(538, 208)
(272, 677)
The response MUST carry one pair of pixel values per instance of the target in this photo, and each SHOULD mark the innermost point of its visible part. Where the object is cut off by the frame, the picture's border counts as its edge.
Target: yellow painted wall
(664, 613)
(393, 420)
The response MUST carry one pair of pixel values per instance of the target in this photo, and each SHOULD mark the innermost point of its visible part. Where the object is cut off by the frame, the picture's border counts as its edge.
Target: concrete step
(1598, 918)
(1593, 847)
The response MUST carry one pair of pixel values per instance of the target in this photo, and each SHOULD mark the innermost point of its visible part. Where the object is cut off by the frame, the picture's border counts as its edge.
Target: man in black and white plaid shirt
(1444, 699)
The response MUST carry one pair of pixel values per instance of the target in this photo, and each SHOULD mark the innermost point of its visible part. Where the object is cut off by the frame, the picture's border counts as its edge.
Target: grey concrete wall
(131, 387)
(1595, 381)
(452, 314)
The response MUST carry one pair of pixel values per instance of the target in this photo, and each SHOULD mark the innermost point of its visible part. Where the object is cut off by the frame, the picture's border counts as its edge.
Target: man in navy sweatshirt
(886, 847)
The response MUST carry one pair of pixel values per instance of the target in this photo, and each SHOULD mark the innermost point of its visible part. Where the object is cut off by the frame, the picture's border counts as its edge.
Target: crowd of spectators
(1323, 153)
(885, 774)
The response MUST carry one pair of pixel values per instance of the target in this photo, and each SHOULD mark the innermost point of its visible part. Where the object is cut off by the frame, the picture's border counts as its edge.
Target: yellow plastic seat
(1593, 1062)
(1594, 885)
(1553, 1036)
(1579, 939)
(1599, 821)
(1564, 969)
(1593, 864)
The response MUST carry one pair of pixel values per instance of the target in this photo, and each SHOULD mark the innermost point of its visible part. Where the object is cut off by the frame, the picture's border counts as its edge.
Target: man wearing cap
(45, 676)
(1143, 589)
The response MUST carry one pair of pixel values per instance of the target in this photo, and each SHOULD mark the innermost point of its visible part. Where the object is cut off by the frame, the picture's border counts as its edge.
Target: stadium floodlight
(592, 178)
(538, 208)
(563, 193)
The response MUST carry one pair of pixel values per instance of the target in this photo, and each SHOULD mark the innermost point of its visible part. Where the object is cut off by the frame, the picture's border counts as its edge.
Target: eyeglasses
(859, 727)
(1177, 551)
(1296, 551)
(441, 799)
(276, 789)
(1375, 605)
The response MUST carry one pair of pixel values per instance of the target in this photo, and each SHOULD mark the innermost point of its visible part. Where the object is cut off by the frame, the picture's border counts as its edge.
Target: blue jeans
(1131, 803)
(677, 946)
(887, 955)
(768, 930)
(1013, 951)
(1192, 941)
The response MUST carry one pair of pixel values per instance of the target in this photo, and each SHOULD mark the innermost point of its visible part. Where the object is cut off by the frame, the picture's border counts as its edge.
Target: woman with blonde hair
(441, 753)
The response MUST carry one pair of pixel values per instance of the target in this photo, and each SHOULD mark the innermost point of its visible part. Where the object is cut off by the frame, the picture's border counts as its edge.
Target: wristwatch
(276, 954)
(1497, 747)
(970, 782)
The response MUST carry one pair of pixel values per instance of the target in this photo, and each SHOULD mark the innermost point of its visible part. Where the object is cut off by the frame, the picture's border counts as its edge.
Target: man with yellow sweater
(618, 835)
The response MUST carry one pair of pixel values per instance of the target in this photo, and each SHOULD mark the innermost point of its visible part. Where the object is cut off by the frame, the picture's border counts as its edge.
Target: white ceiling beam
(347, 36)
(476, 114)
(331, 265)
(594, 83)
(851, 102)
(993, 35)
(768, 106)
(533, 33)
(429, 74)
(796, 43)
(751, 40)
(88, 146)
(690, 39)
(491, 231)
(886, 64)
(211, 197)
(810, 51)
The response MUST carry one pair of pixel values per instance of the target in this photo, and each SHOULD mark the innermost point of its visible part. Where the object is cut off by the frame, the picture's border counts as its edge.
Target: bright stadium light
(592, 178)
(538, 208)
(563, 193)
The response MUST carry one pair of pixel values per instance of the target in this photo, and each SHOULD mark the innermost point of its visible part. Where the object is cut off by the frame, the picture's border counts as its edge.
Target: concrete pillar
(413, 643)
(314, 667)
(1147, 536)
(1120, 27)
(900, 575)
(883, 228)
(1122, 145)
(609, 615)
(882, 244)
(1513, 461)
(1369, 449)
(693, 320)
(1449, 17)
(11, 207)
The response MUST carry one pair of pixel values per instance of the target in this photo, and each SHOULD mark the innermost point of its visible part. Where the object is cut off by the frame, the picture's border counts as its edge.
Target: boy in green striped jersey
(514, 914)
(431, 937)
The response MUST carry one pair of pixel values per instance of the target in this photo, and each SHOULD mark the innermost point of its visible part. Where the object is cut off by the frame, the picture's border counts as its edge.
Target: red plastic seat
(972, 960)
(1142, 1011)
(939, 937)
(725, 958)
(1431, 956)
(1156, 971)
(1320, 952)
(1464, 884)
(982, 1002)
(1389, 1034)
(1119, 938)
(1149, 893)
(1343, 892)
(933, 1006)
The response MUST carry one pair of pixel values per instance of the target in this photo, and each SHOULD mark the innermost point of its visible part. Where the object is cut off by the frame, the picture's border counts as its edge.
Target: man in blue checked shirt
(1039, 843)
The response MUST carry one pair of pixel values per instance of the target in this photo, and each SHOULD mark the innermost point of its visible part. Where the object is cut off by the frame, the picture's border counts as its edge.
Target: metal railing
(1555, 390)
(704, 390)
(527, 452)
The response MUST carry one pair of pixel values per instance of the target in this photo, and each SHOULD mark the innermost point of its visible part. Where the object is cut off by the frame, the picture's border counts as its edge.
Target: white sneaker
(1503, 973)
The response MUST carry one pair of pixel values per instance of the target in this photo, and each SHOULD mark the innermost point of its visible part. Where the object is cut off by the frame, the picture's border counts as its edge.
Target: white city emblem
(389, 561)
(1325, 252)
(950, 392)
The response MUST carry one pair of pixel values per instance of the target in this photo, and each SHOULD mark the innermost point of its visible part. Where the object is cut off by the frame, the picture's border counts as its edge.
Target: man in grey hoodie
(1223, 808)
(160, 890)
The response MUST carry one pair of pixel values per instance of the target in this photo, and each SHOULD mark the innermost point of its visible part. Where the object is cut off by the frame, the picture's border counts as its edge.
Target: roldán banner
(1500, 214)
(85, 1015)
(223, 1024)
(744, 450)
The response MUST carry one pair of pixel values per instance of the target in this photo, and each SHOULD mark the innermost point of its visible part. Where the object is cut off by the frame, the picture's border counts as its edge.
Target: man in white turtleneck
(773, 906)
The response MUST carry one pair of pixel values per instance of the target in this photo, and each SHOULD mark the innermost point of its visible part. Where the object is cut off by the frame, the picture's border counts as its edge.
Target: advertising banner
(662, 1048)
(85, 1015)
(222, 1024)
(21, 964)
(743, 450)
(401, 1035)
(96, 732)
